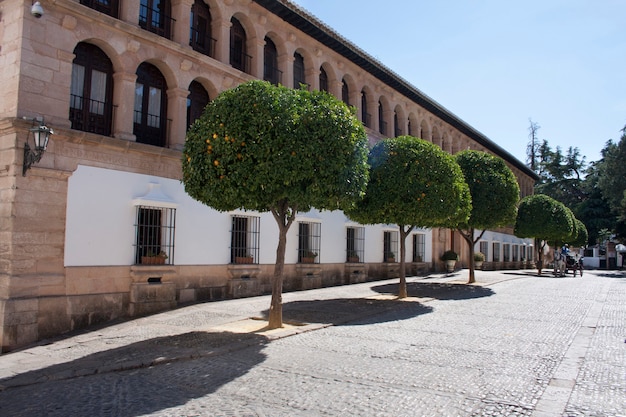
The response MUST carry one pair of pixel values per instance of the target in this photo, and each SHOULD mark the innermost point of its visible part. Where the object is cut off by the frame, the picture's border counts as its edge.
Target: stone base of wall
(148, 298)
(244, 287)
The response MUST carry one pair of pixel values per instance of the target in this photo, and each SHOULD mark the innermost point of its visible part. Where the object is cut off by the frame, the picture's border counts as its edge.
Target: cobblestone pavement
(513, 345)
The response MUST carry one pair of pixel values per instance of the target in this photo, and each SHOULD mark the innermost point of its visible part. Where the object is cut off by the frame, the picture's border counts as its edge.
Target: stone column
(124, 102)
(177, 113)
(129, 11)
(285, 62)
(181, 13)
(222, 46)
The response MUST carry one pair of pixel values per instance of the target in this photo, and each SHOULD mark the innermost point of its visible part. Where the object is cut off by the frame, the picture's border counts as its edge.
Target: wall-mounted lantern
(41, 136)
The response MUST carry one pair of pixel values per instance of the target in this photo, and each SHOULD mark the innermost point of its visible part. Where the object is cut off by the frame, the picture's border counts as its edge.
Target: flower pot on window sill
(307, 260)
(353, 259)
(244, 260)
(390, 260)
(152, 260)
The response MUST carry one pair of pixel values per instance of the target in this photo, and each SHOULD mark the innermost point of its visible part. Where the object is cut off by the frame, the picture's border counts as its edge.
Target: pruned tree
(495, 194)
(545, 219)
(413, 183)
(274, 149)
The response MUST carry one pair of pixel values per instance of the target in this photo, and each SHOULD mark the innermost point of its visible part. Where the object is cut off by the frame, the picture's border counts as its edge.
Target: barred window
(506, 252)
(244, 240)
(523, 252)
(419, 247)
(484, 248)
(355, 244)
(515, 253)
(531, 253)
(496, 251)
(309, 239)
(154, 235)
(390, 246)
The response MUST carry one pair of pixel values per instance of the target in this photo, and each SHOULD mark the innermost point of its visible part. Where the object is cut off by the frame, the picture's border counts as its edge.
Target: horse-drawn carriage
(564, 263)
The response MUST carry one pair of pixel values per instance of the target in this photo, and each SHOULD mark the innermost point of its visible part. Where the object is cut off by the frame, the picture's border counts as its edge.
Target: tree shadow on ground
(137, 379)
(608, 274)
(350, 311)
(440, 291)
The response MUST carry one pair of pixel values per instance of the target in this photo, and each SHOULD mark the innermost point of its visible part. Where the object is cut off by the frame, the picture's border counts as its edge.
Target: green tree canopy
(543, 218)
(413, 183)
(612, 182)
(495, 194)
(270, 148)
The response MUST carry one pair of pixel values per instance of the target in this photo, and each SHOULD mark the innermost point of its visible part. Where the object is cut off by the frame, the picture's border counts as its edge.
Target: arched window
(298, 70)
(91, 90)
(156, 16)
(239, 59)
(345, 92)
(365, 116)
(196, 101)
(396, 125)
(200, 31)
(109, 7)
(323, 80)
(410, 128)
(150, 106)
(271, 72)
(382, 125)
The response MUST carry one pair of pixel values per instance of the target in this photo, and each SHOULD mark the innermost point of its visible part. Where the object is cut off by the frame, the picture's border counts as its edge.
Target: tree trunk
(402, 292)
(284, 216)
(468, 235)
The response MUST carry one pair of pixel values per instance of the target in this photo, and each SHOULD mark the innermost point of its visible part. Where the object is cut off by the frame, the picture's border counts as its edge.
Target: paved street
(513, 345)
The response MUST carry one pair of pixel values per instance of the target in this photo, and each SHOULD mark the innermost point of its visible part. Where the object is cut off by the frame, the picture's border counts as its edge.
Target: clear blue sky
(496, 63)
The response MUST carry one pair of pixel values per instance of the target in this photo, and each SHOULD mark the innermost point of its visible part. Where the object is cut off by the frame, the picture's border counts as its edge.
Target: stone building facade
(119, 82)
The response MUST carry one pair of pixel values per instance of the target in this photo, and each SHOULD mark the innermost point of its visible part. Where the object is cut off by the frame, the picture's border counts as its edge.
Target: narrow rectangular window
(355, 244)
(419, 247)
(390, 246)
(154, 235)
(244, 240)
(496, 251)
(309, 239)
(515, 253)
(506, 252)
(484, 248)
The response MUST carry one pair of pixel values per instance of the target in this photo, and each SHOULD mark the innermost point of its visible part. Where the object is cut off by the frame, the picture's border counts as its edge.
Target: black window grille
(200, 38)
(365, 116)
(271, 72)
(419, 247)
(110, 7)
(239, 59)
(382, 125)
(506, 252)
(299, 76)
(150, 122)
(309, 239)
(196, 102)
(396, 126)
(91, 90)
(323, 80)
(515, 250)
(155, 228)
(496, 251)
(484, 248)
(530, 253)
(244, 240)
(355, 244)
(345, 92)
(390, 246)
(155, 16)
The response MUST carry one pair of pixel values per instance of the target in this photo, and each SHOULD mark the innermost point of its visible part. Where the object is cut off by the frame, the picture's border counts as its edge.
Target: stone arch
(332, 79)
(436, 136)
